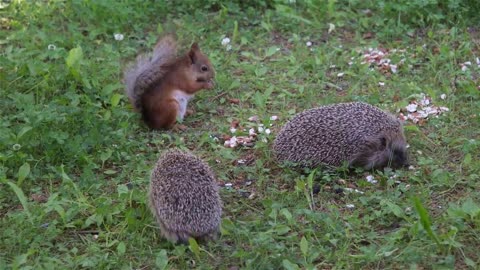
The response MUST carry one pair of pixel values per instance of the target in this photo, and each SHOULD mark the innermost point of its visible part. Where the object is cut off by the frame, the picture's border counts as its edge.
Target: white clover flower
(268, 131)
(229, 47)
(225, 41)
(118, 37)
(233, 130)
(16, 147)
(273, 117)
(51, 47)
(309, 43)
(443, 96)
(371, 180)
(260, 129)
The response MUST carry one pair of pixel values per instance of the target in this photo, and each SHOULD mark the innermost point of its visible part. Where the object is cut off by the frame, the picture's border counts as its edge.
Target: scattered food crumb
(273, 117)
(350, 206)
(228, 185)
(353, 190)
(381, 83)
(379, 59)
(419, 111)
(253, 118)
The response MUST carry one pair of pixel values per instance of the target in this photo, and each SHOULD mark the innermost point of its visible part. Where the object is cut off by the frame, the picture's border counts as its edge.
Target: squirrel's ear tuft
(193, 53)
(195, 47)
(192, 57)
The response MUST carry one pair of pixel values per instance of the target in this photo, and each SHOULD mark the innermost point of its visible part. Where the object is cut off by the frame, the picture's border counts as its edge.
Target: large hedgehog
(356, 133)
(184, 197)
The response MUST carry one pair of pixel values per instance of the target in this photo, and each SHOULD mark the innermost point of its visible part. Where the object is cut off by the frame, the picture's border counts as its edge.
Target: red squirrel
(159, 87)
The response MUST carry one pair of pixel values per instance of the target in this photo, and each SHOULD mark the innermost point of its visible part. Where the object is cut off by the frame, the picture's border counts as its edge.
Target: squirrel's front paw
(179, 127)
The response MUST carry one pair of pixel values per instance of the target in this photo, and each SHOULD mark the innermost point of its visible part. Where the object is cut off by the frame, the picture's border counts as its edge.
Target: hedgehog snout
(399, 158)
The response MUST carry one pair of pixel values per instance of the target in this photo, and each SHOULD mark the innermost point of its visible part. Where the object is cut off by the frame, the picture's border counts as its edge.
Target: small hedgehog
(355, 133)
(184, 197)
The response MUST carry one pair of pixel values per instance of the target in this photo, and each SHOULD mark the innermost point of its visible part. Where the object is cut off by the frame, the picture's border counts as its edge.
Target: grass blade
(425, 219)
(21, 197)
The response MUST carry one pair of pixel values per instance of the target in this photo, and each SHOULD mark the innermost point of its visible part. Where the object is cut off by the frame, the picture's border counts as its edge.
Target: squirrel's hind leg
(164, 114)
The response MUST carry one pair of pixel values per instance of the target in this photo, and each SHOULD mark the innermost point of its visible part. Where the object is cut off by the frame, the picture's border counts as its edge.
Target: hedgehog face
(398, 158)
(380, 153)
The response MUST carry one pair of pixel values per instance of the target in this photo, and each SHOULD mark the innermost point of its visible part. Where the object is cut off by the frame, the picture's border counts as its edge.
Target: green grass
(75, 159)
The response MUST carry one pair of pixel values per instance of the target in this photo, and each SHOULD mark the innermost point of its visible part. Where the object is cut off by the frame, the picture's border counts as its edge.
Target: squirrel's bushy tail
(147, 69)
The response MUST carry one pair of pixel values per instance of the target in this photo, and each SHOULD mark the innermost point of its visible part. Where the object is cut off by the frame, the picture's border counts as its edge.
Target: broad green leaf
(74, 57)
(310, 179)
(193, 246)
(286, 214)
(471, 208)
(467, 159)
(282, 229)
(23, 131)
(271, 51)
(395, 209)
(289, 265)
(161, 261)
(235, 31)
(121, 248)
(110, 172)
(106, 155)
(304, 246)
(115, 99)
(23, 172)
(122, 189)
(235, 84)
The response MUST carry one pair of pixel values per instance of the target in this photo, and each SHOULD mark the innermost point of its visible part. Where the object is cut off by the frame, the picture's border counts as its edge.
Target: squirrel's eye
(204, 68)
